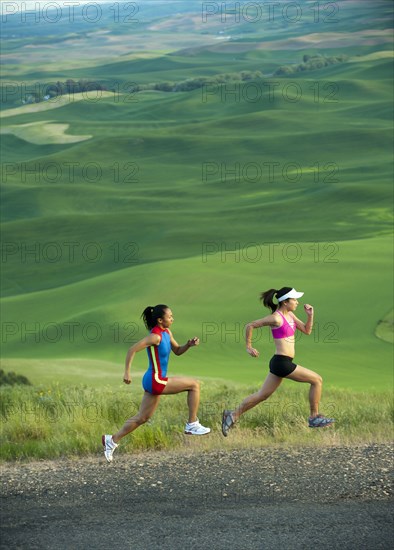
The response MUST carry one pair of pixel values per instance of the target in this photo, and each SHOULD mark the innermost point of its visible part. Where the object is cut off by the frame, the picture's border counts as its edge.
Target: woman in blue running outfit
(159, 344)
(283, 324)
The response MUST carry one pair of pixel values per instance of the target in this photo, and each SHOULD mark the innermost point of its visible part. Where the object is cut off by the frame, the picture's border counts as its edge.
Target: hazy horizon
(33, 5)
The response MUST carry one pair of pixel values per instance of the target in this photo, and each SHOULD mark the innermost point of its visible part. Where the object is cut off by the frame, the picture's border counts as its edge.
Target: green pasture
(213, 296)
(211, 168)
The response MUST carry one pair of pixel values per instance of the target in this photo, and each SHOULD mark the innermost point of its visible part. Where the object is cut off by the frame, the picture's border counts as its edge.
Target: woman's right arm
(268, 321)
(150, 340)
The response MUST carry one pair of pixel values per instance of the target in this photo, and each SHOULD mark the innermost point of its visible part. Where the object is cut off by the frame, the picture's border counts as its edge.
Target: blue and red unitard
(155, 378)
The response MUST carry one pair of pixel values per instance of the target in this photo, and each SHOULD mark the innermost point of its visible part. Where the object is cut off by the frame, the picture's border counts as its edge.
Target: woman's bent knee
(141, 419)
(318, 380)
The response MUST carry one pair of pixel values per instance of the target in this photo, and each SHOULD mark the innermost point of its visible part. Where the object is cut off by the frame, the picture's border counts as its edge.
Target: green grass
(56, 421)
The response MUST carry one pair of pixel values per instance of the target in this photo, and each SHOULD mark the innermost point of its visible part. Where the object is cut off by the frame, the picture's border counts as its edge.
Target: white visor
(292, 294)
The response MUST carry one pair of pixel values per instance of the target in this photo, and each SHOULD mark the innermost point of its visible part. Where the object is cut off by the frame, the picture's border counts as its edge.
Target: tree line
(70, 86)
(310, 63)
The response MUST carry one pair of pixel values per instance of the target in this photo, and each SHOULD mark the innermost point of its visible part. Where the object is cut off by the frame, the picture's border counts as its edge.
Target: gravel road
(323, 498)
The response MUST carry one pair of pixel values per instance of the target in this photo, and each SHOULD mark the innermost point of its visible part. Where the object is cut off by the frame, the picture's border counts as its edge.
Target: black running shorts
(282, 365)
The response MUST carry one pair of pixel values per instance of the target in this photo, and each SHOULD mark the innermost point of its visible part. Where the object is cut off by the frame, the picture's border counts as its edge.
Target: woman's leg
(147, 408)
(300, 374)
(271, 383)
(178, 384)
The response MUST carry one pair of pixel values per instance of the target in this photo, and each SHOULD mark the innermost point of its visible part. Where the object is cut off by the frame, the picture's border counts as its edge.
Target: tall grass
(55, 421)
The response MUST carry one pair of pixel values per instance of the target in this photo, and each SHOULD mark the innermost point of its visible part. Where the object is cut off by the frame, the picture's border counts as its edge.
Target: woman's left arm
(306, 328)
(179, 350)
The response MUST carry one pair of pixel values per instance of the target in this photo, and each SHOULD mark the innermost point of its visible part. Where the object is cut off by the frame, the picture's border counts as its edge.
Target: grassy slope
(213, 299)
(164, 141)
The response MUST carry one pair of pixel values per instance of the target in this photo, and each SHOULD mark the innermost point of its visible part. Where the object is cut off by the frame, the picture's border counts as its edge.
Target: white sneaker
(109, 447)
(195, 428)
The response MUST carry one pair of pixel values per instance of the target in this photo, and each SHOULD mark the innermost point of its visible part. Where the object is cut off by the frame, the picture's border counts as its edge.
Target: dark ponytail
(150, 315)
(267, 297)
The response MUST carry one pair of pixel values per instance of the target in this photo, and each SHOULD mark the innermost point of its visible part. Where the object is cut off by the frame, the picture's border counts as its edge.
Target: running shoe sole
(225, 426)
(323, 425)
(194, 433)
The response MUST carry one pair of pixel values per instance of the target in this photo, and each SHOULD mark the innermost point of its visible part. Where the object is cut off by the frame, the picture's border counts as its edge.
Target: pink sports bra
(285, 330)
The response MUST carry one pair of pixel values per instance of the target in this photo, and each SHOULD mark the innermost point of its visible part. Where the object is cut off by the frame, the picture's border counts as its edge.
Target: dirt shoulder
(260, 498)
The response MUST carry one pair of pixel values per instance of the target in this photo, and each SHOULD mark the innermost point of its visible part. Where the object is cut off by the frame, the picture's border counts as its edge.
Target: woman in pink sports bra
(283, 325)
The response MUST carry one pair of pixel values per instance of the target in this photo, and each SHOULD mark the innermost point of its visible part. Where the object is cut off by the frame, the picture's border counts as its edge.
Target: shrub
(10, 379)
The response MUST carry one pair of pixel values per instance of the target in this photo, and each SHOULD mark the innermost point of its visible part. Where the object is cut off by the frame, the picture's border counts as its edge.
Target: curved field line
(385, 328)
(55, 103)
(43, 133)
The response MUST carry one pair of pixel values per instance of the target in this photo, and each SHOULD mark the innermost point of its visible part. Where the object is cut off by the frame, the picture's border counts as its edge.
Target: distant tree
(257, 75)
(284, 70)
(52, 90)
(310, 63)
(61, 87)
(318, 63)
(11, 379)
(164, 86)
(71, 86)
(246, 75)
(84, 85)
